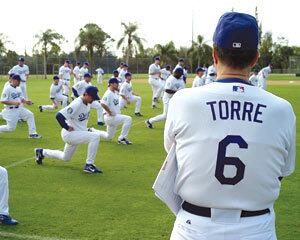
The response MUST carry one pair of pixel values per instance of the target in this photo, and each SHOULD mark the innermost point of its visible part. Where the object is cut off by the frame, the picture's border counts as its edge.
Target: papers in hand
(164, 184)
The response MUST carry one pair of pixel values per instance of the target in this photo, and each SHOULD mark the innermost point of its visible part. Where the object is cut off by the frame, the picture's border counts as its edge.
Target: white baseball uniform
(127, 91)
(23, 72)
(198, 81)
(80, 87)
(231, 149)
(262, 77)
(12, 113)
(65, 75)
(111, 100)
(253, 79)
(164, 74)
(211, 70)
(77, 115)
(82, 71)
(4, 209)
(122, 76)
(100, 73)
(172, 83)
(154, 81)
(76, 72)
(119, 69)
(56, 96)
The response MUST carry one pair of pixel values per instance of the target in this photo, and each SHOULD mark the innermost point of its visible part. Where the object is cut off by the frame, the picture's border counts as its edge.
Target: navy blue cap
(122, 63)
(179, 70)
(87, 75)
(86, 63)
(157, 58)
(128, 74)
(55, 77)
(125, 65)
(11, 75)
(181, 60)
(16, 77)
(93, 92)
(168, 66)
(67, 61)
(21, 59)
(200, 69)
(113, 80)
(236, 31)
(116, 71)
(78, 63)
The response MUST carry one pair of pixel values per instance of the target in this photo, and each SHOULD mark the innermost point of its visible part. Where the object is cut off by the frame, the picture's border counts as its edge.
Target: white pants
(72, 140)
(97, 105)
(66, 87)
(136, 99)
(59, 98)
(163, 84)
(23, 89)
(76, 80)
(3, 191)
(99, 78)
(112, 123)
(162, 116)
(157, 88)
(192, 227)
(13, 115)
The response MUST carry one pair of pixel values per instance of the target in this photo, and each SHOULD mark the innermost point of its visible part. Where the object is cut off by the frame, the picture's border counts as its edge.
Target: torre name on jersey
(236, 110)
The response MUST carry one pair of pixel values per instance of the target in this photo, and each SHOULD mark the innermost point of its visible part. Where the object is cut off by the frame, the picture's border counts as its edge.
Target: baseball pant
(23, 89)
(156, 89)
(97, 105)
(192, 227)
(162, 116)
(163, 84)
(66, 87)
(72, 140)
(99, 79)
(59, 98)
(3, 191)
(13, 115)
(112, 123)
(136, 99)
(76, 80)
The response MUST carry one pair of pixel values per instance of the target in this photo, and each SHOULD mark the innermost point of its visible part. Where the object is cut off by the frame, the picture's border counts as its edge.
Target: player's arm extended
(11, 103)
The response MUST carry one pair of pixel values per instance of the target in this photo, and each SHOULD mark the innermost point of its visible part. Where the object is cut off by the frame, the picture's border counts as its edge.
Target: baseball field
(58, 201)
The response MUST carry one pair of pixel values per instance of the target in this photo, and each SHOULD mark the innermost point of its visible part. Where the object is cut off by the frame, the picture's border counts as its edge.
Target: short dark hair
(235, 58)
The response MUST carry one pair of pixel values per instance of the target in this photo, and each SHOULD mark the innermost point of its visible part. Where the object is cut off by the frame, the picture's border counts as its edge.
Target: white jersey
(264, 73)
(126, 89)
(198, 81)
(164, 73)
(119, 69)
(253, 80)
(122, 75)
(99, 71)
(11, 93)
(154, 71)
(56, 90)
(111, 99)
(172, 83)
(76, 72)
(81, 86)
(65, 72)
(77, 114)
(83, 71)
(231, 144)
(211, 74)
(21, 71)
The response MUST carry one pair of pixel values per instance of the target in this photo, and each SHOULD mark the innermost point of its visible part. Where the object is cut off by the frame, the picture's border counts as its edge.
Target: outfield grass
(59, 200)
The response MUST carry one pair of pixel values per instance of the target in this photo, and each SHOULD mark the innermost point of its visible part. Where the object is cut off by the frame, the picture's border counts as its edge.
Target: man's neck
(227, 72)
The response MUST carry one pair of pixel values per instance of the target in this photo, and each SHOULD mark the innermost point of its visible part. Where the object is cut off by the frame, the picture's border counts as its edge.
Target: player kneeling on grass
(128, 96)
(55, 95)
(173, 84)
(73, 120)
(79, 88)
(5, 219)
(13, 100)
(113, 116)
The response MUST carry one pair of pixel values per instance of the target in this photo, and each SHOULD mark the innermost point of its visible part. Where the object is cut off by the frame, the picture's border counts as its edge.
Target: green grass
(59, 200)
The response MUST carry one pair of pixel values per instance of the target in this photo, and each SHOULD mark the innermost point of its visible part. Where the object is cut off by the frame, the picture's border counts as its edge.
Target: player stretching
(234, 142)
(128, 96)
(173, 84)
(65, 76)
(113, 116)
(122, 73)
(76, 73)
(56, 96)
(154, 76)
(100, 73)
(13, 100)
(73, 119)
(79, 89)
(199, 80)
(263, 75)
(5, 219)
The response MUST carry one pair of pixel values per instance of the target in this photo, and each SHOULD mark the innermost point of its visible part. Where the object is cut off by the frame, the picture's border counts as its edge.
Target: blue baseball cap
(116, 71)
(93, 92)
(179, 70)
(67, 61)
(87, 75)
(125, 65)
(237, 31)
(180, 60)
(16, 77)
(86, 63)
(21, 59)
(55, 77)
(113, 80)
(11, 75)
(200, 69)
(128, 74)
(157, 58)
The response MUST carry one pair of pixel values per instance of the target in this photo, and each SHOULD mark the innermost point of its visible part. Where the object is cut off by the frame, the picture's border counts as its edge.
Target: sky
(159, 21)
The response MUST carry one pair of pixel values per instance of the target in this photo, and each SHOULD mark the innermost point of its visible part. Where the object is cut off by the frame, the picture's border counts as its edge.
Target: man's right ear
(215, 57)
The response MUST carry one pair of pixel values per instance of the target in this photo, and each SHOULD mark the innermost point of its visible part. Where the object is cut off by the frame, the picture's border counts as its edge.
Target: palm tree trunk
(45, 63)
(91, 60)
(127, 54)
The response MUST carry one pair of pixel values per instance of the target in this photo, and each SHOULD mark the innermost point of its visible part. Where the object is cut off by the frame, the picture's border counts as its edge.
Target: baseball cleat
(138, 114)
(7, 220)
(124, 141)
(35, 136)
(39, 156)
(154, 106)
(149, 124)
(100, 123)
(41, 108)
(91, 168)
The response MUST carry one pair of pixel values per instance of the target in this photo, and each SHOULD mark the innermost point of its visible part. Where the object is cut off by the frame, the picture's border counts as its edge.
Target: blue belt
(13, 107)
